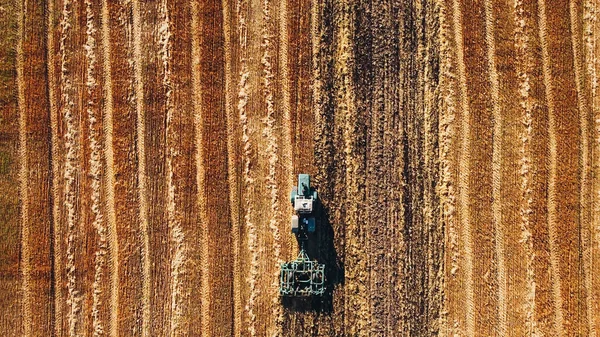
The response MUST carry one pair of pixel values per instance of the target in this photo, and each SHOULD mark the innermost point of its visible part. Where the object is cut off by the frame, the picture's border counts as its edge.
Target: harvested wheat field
(148, 149)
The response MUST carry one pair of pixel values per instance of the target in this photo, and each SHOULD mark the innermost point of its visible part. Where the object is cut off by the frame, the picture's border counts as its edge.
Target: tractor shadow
(320, 246)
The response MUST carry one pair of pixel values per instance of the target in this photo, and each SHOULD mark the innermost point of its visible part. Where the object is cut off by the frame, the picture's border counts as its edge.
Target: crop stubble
(152, 147)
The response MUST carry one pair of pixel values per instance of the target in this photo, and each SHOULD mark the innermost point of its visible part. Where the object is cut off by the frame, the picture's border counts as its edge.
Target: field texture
(147, 151)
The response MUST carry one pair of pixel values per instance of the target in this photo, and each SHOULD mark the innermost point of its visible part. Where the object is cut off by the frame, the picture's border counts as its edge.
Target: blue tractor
(303, 276)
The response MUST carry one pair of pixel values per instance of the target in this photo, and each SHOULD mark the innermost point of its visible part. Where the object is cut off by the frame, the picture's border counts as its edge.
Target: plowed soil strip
(524, 65)
(70, 171)
(23, 175)
(267, 61)
(54, 158)
(563, 185)
(141, 167)
(99, 324)
(111, 234)
(174, 144)
(477, 154)
(251, 293)
(233, 162)
(592, 47)
(497, 163)
(464, 175)
(155, 119)
(37, 147)
(448, 172)
(585, 193)
(199, 114)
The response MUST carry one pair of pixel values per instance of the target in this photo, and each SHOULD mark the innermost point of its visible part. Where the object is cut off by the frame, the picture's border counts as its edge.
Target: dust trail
(464, 172)
(242, 10)
(58, 253)
(141, 154)
(584, 154)
(527, 104)
(70, 172)
(177, 235)
(233, 176)
(497, 158)
(554, 254)
(95, 170)
(271, 150)
(200, 173)
(23, 174)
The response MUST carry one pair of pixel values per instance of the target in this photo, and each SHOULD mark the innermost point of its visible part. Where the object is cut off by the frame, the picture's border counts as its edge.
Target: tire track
(527, 103)
(140, 140)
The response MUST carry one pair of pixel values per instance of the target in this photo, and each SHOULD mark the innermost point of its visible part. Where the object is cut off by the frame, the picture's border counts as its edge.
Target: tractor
(302, 277)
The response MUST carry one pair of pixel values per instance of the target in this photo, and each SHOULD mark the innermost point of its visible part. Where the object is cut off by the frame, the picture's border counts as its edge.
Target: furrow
(141, 167)
(524, 65)
(464, 173)
(98, 222)
(23, 175)
(497, 163)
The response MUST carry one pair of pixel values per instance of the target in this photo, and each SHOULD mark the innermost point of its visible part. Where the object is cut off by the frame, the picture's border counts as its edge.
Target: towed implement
(302, 277)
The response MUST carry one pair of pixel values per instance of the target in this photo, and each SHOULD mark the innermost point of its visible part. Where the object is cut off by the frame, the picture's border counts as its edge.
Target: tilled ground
(147, 151)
